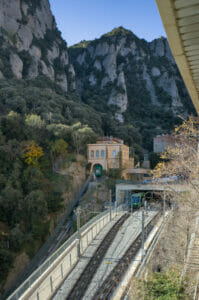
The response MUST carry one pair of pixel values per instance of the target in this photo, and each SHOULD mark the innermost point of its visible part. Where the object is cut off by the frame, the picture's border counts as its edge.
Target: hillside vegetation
(37, 127)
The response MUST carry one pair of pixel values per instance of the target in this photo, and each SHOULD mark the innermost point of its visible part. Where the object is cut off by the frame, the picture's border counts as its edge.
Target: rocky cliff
(31, 44)
(127, 73)
(131, 85)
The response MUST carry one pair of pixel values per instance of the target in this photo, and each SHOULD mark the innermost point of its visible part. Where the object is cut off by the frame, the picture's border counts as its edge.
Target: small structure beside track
(125, 186)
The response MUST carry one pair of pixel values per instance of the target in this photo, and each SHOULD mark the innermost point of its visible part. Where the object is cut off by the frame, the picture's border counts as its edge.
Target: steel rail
(105, 290)
(86, 276)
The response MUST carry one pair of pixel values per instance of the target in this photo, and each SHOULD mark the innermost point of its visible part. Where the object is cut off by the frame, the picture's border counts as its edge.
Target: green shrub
(5, 59)
(6, 261)
(164, 286)
(27, 61)
(114, 173)
(16, 238)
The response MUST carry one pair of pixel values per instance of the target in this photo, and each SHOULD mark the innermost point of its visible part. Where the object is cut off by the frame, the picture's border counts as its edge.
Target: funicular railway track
(106, 289)
(85, 278)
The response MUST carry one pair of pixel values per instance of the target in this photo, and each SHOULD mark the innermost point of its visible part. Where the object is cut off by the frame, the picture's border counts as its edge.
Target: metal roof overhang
(181, 23)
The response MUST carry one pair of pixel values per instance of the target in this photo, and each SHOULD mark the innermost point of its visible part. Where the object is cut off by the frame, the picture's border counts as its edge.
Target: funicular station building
(109, 153)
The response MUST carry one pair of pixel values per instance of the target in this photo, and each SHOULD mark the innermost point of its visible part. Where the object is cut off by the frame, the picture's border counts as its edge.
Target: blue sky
(89, 19)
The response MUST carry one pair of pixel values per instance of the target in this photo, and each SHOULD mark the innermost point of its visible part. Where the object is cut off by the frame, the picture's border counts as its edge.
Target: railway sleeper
(107, 287)
(86, 276)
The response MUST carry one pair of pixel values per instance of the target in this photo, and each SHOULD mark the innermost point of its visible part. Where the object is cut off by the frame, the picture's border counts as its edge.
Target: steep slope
(31, 44)
(34, 64)
(137, 81)
(40, 112)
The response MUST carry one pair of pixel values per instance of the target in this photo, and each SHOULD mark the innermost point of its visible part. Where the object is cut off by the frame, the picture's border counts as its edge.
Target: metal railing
(44, 249)
(37, 273)
(41, 269)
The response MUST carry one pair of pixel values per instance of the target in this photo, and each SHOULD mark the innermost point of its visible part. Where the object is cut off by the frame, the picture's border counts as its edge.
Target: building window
(102, 153)
(114, 153)
(97, 153)
(92, 154)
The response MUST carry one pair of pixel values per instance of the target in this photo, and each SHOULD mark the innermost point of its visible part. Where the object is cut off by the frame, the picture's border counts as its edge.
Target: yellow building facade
(109, 153)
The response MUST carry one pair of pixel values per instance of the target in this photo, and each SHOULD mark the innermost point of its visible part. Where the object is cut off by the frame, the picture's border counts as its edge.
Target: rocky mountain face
(130, 74)
(31, 44)
(126, 80)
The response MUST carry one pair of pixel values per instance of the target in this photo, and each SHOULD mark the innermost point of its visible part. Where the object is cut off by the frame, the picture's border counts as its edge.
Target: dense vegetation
(37, 127)
(43, 97)
(162, 286)
(39, 124)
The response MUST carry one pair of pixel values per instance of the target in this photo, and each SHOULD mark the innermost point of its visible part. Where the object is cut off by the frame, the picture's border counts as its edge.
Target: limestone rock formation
(121, 76)
(16, 65)
(124, 72)
(31, 44)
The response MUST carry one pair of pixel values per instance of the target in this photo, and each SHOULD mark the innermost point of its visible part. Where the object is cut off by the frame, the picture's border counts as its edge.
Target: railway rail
(106, 289)
(85, 278)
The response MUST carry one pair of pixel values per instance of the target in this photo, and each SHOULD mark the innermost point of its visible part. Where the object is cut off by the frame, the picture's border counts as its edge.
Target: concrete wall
(44, 287)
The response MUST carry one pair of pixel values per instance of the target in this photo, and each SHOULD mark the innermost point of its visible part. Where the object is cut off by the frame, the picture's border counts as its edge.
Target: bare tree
(180, 165)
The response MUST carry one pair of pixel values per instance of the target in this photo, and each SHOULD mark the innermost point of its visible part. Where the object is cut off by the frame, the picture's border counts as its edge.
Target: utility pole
(143, 250)
(131, 204)
(110, 205)
(77, 213)
(164, 204)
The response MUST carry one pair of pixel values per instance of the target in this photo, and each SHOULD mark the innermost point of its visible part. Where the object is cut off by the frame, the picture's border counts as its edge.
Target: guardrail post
(110, 204)
(51, 284)
(164, 204)
(78, 248)
(62, 274)
(37, 295)
(143, 250)
(77, 212)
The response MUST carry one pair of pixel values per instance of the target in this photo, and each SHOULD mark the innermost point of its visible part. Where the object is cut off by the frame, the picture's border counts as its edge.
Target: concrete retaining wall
(44, 287)
(134, 266)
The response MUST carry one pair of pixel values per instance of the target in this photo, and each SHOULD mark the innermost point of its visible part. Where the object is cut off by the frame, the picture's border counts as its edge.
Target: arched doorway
(97, 169)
